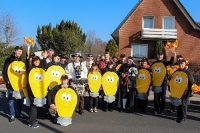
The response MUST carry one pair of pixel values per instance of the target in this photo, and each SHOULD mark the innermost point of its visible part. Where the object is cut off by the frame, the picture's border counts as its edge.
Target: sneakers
(91, 110)
(34, 125)
(12, 119)
(95, 110)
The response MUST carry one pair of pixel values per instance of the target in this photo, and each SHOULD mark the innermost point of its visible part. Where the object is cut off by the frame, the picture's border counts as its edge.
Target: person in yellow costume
(16, 56)
(159, 80)
(52, 93)
(109, 68)
(94, 85)
(182, 108)
(171, 70)
(35, 63)
(143, 83)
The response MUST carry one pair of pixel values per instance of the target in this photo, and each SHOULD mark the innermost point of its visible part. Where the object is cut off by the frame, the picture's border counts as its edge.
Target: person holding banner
(16, 56)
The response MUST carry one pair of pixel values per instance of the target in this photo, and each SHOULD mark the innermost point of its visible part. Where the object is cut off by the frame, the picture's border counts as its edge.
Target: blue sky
(101, 16)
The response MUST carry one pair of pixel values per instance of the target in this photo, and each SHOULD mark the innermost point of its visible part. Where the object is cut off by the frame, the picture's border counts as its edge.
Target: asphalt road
(106, 122)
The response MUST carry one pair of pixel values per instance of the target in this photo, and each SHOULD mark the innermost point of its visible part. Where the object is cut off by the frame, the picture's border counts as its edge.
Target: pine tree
(112, 47)
(160, 46)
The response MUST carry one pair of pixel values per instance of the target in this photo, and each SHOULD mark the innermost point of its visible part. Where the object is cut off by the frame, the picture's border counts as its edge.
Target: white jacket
(70, 70)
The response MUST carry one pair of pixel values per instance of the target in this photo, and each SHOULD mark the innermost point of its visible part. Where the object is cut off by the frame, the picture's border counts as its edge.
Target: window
(139, 50)
(168, 22)
(148, 22)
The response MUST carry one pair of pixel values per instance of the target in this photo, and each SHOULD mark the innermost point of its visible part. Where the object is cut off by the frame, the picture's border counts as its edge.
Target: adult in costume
(159, 81)
(77, 73)
(16, 56)
(35, 87)
(181, 84)
(127, 93)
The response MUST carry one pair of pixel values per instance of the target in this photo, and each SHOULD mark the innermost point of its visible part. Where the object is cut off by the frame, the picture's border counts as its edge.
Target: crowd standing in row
(128, 99)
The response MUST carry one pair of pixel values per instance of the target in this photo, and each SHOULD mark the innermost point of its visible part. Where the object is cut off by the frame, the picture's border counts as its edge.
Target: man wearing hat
(127, 92)
(182, 109)
(160, 91)
(88, 62)
(16, 56)
(77, 70)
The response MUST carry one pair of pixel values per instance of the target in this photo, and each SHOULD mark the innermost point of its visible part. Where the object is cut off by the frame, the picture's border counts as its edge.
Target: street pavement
(106, 122)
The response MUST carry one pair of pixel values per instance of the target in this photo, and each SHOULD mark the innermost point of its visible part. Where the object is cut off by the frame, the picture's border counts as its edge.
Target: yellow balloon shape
(172, 69)
(143, 81)
(66, 100)
(54, 74)
(15, 72)
(110, 82)
(94, 81)
(38, 82)
(178, 84)
(158, 73)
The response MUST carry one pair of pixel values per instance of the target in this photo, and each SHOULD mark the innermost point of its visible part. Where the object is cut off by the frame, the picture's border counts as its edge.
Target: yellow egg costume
(54, 74)
(39, 83)
(66, 100)
(16, 74)
(94, 83)
(158, 73)
(110, 82)
(178, 84)
(143, 81)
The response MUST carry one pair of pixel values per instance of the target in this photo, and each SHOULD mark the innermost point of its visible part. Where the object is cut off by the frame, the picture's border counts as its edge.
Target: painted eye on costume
(36, 76)
(20, 70)
(159, 70)
(40, 77)
(96, 77)
(16, 69)
(93, 77)
(140, 76)
(111, 79)
(53, 73)
(64, 96)
(178, 79)
(108, 78)
(143, 76)
(57, 73)
(68, 98)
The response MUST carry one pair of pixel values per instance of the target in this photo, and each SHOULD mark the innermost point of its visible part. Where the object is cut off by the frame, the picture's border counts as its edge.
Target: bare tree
(94, 45)
(9, 31)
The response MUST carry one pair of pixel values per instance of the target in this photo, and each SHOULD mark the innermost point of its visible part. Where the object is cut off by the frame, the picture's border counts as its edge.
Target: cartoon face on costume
(143, 81)
(178, 84)
(110, 82)
(38, 82)
(94, 81)
(15, 72)
(54, 73)
(66, 100)
(158, 73)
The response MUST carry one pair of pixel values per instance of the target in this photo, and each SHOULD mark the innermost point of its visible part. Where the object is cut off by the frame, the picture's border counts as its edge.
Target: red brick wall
(130, 32)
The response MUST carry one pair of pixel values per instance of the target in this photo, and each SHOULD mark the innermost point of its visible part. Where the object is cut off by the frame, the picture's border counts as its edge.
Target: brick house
(153, 20)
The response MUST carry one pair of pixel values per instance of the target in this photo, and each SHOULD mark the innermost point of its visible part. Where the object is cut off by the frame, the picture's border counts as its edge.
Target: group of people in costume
(60, 86)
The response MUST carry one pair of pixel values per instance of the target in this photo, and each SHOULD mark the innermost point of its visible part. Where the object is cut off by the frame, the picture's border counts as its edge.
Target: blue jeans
(11, 105)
